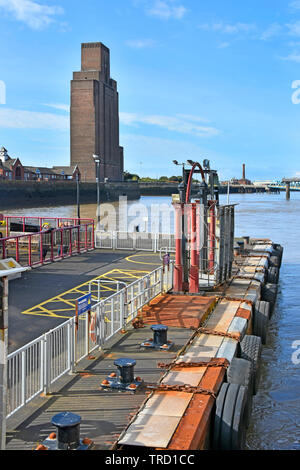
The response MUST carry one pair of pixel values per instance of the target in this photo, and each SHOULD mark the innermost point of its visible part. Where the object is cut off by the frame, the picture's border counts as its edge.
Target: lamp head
(206, 164)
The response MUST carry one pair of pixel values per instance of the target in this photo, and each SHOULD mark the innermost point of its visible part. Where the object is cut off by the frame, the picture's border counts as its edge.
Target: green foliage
(146, 179)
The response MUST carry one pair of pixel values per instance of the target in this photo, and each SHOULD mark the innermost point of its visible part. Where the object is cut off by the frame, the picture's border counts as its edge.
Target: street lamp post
(97, 161)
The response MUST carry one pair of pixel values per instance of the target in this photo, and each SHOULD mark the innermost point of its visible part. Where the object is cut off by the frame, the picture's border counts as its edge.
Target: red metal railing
(33, 249)
(54, 222)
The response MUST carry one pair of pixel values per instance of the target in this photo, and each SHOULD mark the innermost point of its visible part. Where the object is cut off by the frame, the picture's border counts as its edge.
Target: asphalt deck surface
(44, 297)
(33, 302)
(105, 414)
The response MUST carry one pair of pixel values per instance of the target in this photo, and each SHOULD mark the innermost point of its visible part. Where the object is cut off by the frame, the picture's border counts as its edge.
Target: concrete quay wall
(19, 194)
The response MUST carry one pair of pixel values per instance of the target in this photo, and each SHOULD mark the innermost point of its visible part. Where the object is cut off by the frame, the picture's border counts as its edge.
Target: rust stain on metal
(243, 313)
(181, 311)
(193, 428)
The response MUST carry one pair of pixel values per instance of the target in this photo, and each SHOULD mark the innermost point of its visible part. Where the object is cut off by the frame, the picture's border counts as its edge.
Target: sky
(196, 79)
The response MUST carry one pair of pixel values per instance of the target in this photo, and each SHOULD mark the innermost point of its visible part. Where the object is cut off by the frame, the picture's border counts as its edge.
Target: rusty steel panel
(193, 430)
(178, 310)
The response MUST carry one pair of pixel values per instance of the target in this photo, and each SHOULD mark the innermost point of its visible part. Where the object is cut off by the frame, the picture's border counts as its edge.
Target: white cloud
(19, 119)
(181, 123)
(226, 28)
(294, 28)
(293, 57)
(223, 45)
(140, 43)
(273, 30)
(295, 5)
(191, 117)
(61, 107)
(167, 9)
(30, 12)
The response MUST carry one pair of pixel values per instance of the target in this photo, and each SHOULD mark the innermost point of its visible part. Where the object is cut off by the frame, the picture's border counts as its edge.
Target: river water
(275, 420)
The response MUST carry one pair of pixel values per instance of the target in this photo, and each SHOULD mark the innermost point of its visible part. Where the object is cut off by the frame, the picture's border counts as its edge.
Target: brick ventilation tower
(95, 116)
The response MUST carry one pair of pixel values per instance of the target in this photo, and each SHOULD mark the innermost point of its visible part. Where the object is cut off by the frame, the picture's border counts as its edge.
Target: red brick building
(95, 116)
(12, 169)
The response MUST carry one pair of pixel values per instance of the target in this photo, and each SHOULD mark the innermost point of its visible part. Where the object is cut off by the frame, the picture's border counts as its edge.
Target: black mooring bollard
(68, 430)
(126, 369)
(160, 334)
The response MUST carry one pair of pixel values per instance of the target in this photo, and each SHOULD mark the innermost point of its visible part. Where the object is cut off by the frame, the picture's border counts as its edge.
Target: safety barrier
(34, 249)
(34, 368)
(114, 313)
(35, 224)
(134, 241)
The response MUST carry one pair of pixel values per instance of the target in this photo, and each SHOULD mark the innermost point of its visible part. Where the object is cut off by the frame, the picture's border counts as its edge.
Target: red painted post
(86, 247)
(61, 243)
(178, 269)
(194, 269)
(52, 248)
(212, 236)
(78, 239)
(17, 250)
(23, 224)
(198, 232)
(41, 249)
(93, 236)
(70, 241)
(29, 250)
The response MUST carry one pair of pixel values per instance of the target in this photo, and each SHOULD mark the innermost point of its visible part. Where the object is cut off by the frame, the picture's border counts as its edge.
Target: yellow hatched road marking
(42, 310)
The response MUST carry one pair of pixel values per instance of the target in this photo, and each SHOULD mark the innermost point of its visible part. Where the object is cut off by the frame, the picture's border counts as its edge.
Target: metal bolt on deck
(160, 339)
(124, 380)
(67, 436)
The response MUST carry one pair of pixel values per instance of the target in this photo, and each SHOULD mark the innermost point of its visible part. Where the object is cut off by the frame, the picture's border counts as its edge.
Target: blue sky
(196, 80)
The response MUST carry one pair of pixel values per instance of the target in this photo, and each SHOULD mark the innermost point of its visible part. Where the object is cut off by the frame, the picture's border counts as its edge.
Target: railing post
(112, 315)
(23, 377)
(71, 342)
(86, 240)
(93, 236)
(124, 307)
(41, 248)
(47, 364)
(52, 248)
(78, 240)
(87, 345)
(17, 250)
(29, 250)
(70, 241)
(61, 244)
(161, 272)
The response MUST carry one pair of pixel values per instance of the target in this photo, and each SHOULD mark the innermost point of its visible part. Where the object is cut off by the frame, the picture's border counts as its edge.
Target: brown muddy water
(275, 422)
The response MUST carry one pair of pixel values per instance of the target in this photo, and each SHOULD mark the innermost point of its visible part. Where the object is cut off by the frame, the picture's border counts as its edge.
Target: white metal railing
(36, 366)
(113, 314)
(143, 241)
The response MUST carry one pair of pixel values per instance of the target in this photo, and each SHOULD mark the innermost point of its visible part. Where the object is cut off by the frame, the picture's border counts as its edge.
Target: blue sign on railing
(84, 304)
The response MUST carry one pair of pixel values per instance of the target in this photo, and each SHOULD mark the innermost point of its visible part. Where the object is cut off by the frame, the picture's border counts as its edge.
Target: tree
(130, 176)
